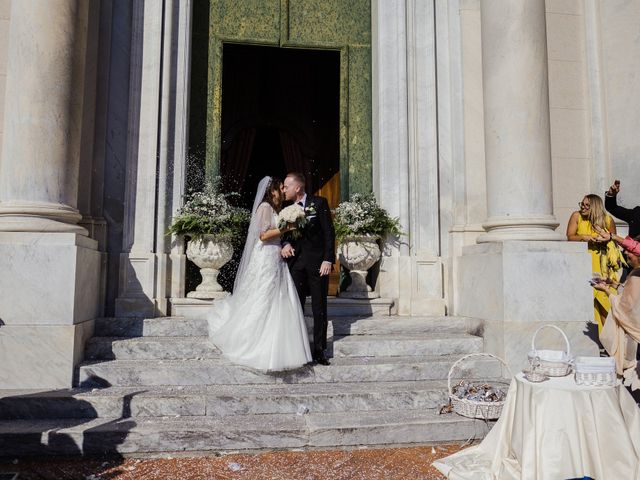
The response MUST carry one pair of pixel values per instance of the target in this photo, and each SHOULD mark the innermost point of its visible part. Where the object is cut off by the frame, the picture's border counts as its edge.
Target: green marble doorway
(340, 26)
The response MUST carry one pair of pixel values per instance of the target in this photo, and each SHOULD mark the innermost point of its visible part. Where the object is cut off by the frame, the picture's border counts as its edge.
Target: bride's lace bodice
(267, 220)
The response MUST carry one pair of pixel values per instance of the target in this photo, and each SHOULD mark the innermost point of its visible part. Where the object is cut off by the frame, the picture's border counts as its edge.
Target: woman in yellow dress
(606, 259)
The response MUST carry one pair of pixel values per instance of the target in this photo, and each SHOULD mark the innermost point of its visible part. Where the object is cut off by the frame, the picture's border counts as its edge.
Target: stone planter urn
(209, 253)
(359, 254)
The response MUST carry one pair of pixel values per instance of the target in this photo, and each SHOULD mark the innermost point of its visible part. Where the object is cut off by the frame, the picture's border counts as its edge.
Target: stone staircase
(156, 385)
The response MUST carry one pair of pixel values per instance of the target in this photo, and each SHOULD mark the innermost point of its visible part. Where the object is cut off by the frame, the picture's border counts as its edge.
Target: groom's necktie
(300, 203)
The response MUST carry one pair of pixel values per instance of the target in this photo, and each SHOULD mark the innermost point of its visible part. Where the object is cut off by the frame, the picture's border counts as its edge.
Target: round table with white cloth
(555, 430)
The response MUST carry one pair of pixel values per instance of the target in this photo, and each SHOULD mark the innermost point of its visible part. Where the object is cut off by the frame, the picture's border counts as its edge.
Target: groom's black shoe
(322, 360)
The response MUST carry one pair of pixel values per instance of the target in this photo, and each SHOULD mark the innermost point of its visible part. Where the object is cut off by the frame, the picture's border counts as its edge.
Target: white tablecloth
(556, 430)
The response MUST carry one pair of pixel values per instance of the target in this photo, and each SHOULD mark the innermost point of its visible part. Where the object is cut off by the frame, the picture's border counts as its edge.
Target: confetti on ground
(358, 464)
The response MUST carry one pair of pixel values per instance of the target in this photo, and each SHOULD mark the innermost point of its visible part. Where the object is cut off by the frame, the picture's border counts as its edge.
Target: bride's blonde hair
(597, 213)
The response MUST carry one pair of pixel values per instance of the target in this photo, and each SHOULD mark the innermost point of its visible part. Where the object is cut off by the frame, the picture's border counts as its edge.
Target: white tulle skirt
(262, 325)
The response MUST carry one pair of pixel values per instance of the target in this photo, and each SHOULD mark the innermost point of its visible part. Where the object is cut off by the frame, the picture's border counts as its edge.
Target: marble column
(516, 119)
(50, 268)
(519, 276)
(42, 124)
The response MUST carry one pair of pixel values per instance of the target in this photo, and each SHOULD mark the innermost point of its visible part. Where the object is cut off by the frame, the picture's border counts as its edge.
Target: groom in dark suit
(310, 258)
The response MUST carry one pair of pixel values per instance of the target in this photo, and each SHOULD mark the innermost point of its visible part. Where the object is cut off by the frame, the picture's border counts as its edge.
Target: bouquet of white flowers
(293, 215)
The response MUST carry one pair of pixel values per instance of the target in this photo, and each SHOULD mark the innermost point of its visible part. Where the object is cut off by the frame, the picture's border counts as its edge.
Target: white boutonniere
(310, 211)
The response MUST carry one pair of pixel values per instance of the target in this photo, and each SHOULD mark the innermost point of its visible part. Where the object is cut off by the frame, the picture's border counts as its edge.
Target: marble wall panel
(526, 282)
(564, 6)
(43, 357)
(518, 286)
(427, 286)
(116, 144)
(88, 284)
(569, 107)
(4, 44)
(571, 179)
(5, 14)
(569, 134)
(5, 9)
(479, 283)
(473, 121)
(48, 279)
(620, 63)
(539, 280)
(565, 37)
(567, 85)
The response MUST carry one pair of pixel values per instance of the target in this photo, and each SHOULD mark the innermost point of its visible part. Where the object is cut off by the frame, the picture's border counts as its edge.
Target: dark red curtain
(294, 160)
(235, 160)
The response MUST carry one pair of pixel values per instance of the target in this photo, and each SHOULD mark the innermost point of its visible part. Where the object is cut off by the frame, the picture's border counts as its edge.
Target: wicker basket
(554, 363)
(474, 408)
(597, 379)
(596, 371)
(534, 374)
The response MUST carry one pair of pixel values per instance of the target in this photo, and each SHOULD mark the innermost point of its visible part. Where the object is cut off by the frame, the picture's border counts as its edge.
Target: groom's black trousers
(308, 276)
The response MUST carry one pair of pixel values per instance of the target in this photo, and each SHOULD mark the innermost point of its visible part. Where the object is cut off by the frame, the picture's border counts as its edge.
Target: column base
(50, 286)
(42, 356)
(40, 217)
(517, 286)
(540, 229)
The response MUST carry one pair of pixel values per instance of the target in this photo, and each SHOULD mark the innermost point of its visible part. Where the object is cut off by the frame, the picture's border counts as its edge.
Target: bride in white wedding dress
(261, 324)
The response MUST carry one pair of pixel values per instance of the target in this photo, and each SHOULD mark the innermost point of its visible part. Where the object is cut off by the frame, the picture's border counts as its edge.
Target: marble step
(194, 327)
(336, 307)
(404, 325)
(405, 345)
(143, 373)
(350, 307)
(151, 327)
(176, 348)
(147, 348)
(238, 432)
(221, 400)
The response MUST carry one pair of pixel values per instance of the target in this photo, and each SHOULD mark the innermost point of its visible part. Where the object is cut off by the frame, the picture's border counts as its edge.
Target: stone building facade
(478, 123)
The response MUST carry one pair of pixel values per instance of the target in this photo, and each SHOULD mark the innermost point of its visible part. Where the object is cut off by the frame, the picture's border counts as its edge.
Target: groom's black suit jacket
(316, 243)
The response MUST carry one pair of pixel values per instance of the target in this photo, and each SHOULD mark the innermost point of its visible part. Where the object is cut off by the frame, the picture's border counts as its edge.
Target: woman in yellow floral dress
(606, 259)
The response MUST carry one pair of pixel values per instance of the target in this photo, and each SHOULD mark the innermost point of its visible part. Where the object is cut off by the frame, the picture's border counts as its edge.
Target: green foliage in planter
(210, 212)
(362, 215)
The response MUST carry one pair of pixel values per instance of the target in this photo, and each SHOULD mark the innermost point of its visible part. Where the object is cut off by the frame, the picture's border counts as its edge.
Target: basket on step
(469, 408)
(554, 363)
